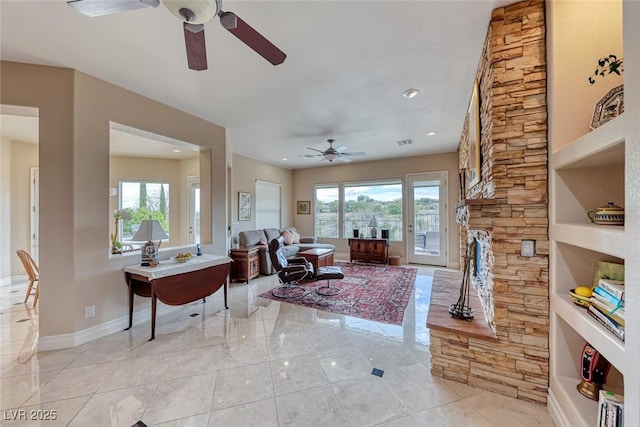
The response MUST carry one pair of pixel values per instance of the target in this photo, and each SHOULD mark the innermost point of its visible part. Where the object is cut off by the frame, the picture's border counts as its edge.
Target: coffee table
(318, 257)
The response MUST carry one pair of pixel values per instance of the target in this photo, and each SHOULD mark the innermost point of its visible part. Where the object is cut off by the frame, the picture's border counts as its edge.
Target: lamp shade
(150, 229)
(330, 156)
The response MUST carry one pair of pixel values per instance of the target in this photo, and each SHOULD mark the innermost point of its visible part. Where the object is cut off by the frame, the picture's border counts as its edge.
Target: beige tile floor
(260, 363)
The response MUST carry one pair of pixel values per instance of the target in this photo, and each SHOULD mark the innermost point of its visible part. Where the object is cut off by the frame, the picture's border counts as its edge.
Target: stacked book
(607, 305)
(610, 409)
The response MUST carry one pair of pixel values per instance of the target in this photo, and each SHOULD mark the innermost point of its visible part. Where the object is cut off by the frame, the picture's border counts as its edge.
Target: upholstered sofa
(261, 238)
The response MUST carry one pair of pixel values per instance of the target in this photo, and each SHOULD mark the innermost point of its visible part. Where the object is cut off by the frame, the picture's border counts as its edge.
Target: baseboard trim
(58, 342)
(556, 412)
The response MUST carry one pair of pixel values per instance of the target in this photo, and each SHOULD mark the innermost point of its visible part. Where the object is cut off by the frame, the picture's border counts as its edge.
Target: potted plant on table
(608, 65)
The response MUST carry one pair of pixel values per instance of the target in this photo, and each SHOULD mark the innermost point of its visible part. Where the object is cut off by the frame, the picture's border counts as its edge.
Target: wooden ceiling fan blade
(196, 48)
(249, 36)
(314, 149)
(108, 7)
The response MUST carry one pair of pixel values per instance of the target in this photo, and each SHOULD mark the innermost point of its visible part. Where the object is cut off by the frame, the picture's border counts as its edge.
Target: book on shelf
(607, 296)
(608, 270)
(610, 409)
(613, 287)
(607, 322)
(615, 313)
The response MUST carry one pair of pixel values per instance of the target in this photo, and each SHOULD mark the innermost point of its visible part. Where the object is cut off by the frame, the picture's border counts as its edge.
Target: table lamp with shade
(150, 230)
(373, 223)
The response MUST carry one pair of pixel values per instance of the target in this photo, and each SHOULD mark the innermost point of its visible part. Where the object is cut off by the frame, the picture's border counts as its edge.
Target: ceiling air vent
(405, 142)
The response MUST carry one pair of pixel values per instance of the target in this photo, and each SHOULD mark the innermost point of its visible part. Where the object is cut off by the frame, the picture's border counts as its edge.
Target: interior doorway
(35, 212)
(19, 179)
(427, 218)
(194, 209)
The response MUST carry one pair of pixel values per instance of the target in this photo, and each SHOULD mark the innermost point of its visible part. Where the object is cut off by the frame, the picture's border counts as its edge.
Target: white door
(194, 210)
(268, 205)
(427, 218)
(35, 212)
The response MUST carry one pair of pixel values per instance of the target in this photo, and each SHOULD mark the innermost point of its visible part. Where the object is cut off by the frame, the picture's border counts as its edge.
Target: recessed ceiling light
(285, 159)
(431, 133)
(176, 151)
(411, 93)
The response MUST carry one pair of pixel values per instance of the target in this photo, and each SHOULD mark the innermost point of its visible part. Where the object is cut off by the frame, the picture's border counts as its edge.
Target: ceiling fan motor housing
(193, 11)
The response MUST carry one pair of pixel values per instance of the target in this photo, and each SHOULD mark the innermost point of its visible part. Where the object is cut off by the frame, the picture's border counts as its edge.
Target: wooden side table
(177, 283)
(246, 264)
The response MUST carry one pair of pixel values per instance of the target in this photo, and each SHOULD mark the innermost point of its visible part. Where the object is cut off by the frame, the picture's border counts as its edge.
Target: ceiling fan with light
(332, 154)
(194, 14)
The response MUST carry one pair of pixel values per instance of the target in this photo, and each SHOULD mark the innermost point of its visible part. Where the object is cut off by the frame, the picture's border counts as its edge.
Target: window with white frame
(327, 211)
(369, 203)
(143, 200)
(363, 203)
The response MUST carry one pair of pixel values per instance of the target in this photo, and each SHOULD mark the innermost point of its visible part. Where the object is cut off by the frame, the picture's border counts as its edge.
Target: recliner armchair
(290, 271)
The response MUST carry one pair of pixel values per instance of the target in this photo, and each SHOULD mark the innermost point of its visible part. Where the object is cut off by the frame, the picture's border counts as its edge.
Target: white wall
(579, 33)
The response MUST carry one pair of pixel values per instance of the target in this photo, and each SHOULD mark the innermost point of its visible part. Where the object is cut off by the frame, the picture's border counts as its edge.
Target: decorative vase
(611, 214)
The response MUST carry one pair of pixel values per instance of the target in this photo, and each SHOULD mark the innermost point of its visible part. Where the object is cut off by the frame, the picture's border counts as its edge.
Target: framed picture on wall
(473, 117)
(304, 207)
(244, 206)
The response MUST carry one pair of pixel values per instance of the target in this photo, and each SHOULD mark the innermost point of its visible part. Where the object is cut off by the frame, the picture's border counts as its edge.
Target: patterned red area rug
(369, 291)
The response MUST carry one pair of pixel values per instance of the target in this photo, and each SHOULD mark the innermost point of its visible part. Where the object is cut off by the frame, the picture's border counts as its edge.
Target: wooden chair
(33, 272)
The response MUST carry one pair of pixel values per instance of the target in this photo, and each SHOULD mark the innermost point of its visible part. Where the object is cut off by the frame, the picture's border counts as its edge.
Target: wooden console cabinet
(370, 250)
(246, 264)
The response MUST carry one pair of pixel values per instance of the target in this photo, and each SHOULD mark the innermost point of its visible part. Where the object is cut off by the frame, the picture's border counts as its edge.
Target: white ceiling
(348, 63)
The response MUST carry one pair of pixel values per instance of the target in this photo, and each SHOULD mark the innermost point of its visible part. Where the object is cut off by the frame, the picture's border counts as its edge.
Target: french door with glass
(427, 218)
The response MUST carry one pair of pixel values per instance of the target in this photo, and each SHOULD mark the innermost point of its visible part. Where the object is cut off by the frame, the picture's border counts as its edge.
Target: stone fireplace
(506, 206)
(482, 279)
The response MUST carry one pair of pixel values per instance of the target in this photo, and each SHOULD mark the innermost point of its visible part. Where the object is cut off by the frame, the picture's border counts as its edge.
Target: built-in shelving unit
(600, 167)
(584, 175)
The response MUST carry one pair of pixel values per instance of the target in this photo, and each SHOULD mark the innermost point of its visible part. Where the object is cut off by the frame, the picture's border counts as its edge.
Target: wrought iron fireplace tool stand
(462, 309)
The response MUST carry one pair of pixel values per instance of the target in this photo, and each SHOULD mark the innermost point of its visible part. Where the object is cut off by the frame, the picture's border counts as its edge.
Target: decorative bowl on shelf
(610, 106)
(580, 300)
(182, 257)
(611, 214)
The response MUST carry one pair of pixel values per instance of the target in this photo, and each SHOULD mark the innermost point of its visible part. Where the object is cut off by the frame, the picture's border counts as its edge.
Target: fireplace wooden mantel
(477, 202)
